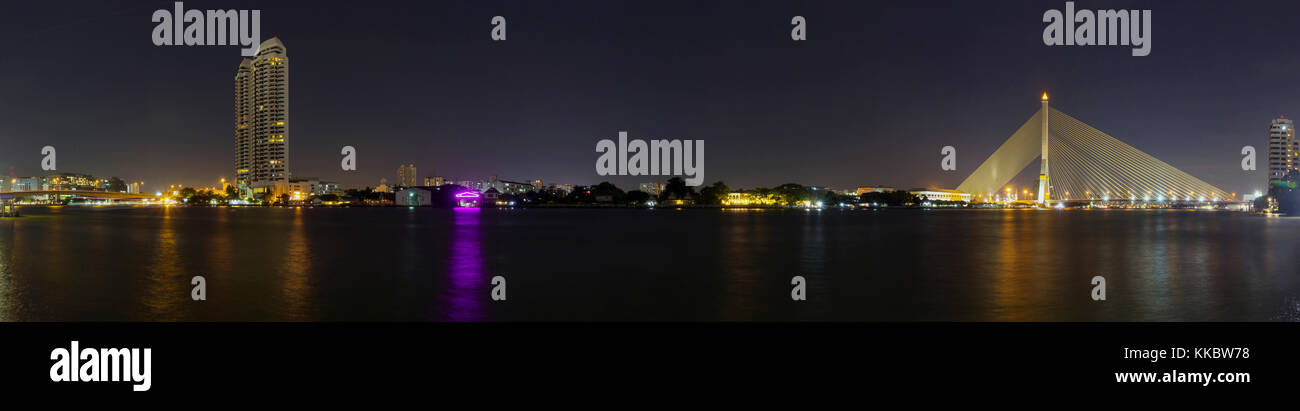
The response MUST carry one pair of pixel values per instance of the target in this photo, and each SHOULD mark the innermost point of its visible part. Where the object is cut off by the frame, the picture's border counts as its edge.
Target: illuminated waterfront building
(938, 194)
(1282, 149)
(312, 186)
(70, 181)
(262, 120)
(749, 198)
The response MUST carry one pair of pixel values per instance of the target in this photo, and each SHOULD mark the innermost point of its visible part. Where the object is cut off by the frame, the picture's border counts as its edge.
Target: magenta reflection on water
(467, 289)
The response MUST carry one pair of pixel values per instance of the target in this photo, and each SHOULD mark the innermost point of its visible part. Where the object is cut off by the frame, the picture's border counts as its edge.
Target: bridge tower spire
(1043, 181)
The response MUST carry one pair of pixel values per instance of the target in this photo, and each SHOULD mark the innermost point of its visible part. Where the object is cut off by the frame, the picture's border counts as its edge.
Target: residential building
(406, 175)
(262, 119)
(1283, 149)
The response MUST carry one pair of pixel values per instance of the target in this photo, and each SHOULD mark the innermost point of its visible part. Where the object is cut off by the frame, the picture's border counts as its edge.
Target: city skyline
(532, 107)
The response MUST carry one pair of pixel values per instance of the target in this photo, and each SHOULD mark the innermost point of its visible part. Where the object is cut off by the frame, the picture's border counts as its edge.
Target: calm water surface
(400, 264)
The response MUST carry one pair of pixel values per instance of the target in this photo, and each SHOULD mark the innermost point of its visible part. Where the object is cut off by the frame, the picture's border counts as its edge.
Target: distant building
(748, 198)
(383, 186)
(653, 189)
(1282, 149)
(537, 185)
(938, 194)
(563, 188)
(434, 181)
(25, 184)
(312, 186)
(875, 189)
(673, 199)
(327, 187)
(406, 175)
(506, 187)
(414, 197)
(70, 181)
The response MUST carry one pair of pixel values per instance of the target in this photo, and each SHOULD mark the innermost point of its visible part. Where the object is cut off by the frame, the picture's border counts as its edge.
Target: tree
(637, 197)
(263, 197)
(231, 192)
(606, 190)
(714, 194)
(676, 188)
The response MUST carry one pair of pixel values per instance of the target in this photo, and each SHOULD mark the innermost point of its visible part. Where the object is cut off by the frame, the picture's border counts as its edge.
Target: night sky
(870, 98)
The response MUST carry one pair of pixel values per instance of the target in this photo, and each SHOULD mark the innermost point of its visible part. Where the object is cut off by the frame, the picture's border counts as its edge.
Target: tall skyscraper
(262, 119)
(1282, 149)
(406, 175)
(244, 124)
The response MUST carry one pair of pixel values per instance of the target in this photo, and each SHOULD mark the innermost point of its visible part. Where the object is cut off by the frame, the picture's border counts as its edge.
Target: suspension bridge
(1080, 163)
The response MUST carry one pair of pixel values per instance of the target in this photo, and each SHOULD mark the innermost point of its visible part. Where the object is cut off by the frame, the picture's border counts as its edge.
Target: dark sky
(870, 98)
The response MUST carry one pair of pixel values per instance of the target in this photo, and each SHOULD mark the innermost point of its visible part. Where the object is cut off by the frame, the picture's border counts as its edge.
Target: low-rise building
(414, 196)
(875, 189)
(749, 198)
(939, 194)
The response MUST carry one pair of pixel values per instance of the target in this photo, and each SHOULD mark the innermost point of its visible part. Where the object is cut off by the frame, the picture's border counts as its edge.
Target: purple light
(462, 297)
(467, 194)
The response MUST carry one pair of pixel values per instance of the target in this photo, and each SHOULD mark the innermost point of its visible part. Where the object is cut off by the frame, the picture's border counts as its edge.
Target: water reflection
(1010, 291)
(310, 264)
(740, 240)
(7, 288)
(295, 271)
(812, 266)
(464, 293)
(164, 286)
